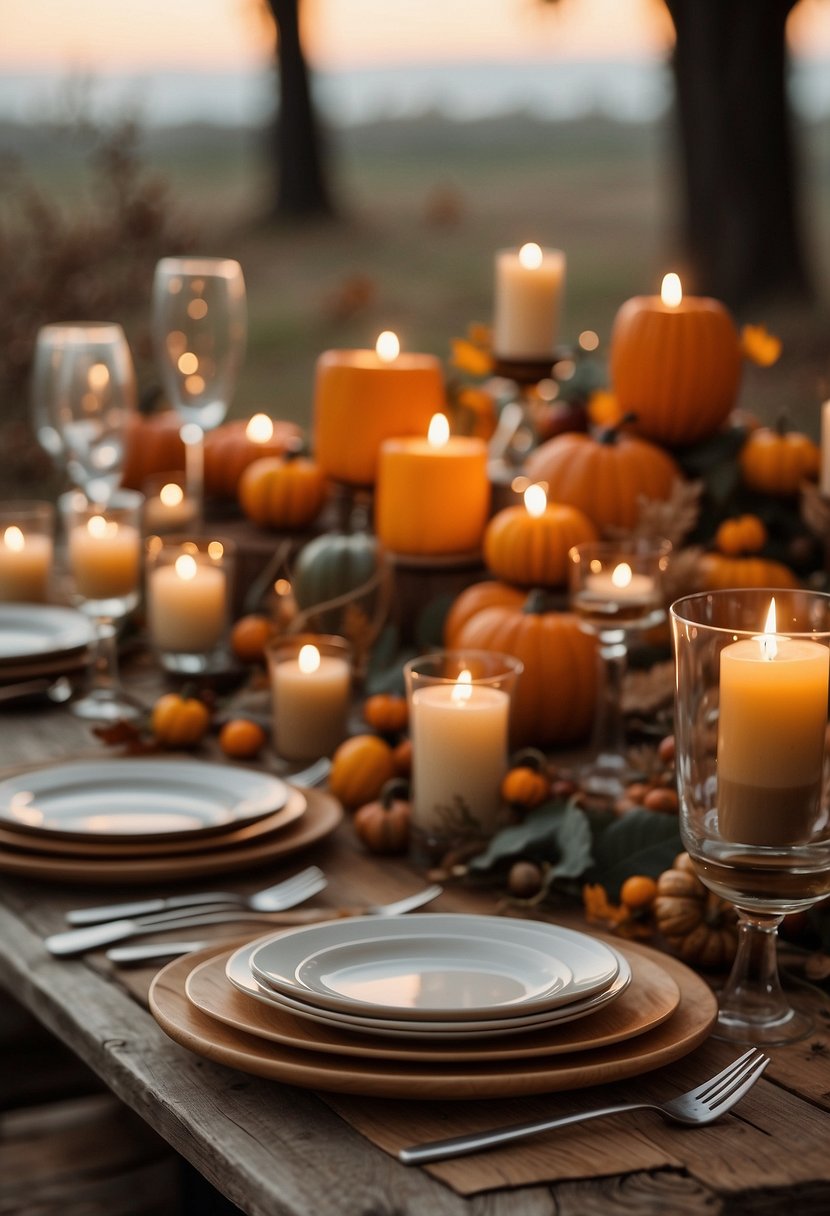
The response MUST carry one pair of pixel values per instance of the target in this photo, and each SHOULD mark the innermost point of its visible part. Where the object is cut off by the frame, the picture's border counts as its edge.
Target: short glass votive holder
(459, 713)
(27, 532)
(189, 585)
(168, 508)
(103, 548)
(311, 685)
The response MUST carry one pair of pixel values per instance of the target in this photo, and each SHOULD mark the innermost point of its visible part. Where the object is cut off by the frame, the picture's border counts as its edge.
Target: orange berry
(249, 637)
(638, 892)
(241, 738)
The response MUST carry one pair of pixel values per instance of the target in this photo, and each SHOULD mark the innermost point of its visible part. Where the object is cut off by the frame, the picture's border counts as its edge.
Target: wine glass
(104, 550)
(83, 390)
(199, 330)
(752, 674)
(616, 590)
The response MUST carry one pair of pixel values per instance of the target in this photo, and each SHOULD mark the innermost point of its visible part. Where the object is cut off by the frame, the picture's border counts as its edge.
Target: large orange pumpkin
(604, 475)
(282, 493)
(152, 445)
(676, 368)
(475, 599)
(532, 550)
(556, 692)
(229, 451)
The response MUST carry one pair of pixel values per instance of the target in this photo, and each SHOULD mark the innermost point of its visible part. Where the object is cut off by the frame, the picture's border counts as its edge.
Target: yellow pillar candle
(528, 299)
(771, 738)
(25, 566)
(105, 558)
(362, 397)
(433, 495)
(310, 701)
(459, 752)
(187, 606)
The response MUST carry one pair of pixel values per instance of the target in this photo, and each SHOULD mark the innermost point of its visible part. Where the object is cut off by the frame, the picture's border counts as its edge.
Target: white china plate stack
(431, 977)
(42, 640)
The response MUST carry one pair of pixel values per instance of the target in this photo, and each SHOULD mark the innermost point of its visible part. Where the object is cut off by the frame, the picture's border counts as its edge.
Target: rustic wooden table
(276, 1150)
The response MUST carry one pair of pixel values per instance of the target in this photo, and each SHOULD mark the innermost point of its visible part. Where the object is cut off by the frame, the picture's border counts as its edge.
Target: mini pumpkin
(383, 824)
(531, 550)
(775, 460)
(524, 787)
(716, 571)
(605, 475)
(282, 492)
(360, 768)
(386, 713)
(743, 534)
(178, 721)
(697, 924)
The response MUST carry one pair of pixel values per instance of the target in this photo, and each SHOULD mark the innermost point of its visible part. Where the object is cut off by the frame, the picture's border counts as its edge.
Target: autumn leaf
(760, 346)
(603, 408)
(468, 357)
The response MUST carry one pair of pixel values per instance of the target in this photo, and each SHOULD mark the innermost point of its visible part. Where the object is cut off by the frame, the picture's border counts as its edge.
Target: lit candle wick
(13, 539)
(259, 429)
(530, 256)
(387, 346)
(463, 688)
(308, 660)
(622, 575)
(671, 291)
(439, 431)
(767, 640)
(535, 500)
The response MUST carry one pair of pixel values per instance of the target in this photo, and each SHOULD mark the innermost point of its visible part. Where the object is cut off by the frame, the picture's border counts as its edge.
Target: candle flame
(769, 646)
(536, 500)
(191, 433)
(98, 377)
(14, 539)
(530, 256)
(171, 494)
(185, 567)
(216, 550)
(96, 525)
(621, 575)
(308, 660)
(671, 292)
(439, 431)
(463, 688)
(260, 429)
(387, 346)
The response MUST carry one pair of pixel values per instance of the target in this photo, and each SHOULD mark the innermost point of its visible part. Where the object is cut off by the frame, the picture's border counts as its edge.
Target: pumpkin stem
(610, 434)
(537, 602)
(395, 790)
(783, 423)
(530, 757)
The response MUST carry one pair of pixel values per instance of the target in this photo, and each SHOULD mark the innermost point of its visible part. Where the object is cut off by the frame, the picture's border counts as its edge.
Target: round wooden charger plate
(651, 998)
(323, 814)
(29, 842)
(426, 1079)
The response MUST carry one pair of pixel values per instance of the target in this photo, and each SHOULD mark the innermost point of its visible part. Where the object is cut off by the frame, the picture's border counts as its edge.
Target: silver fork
(159, 951)
(701, 1105)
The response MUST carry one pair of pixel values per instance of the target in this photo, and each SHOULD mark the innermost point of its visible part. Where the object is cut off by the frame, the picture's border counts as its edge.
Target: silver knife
(77, 941)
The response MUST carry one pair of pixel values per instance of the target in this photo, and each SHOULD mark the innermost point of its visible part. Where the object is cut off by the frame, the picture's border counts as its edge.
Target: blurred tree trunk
(301, 189)
(742, 222)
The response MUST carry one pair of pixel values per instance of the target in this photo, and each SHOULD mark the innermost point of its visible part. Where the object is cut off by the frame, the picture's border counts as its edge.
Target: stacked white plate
(42, 640)
(432, 977)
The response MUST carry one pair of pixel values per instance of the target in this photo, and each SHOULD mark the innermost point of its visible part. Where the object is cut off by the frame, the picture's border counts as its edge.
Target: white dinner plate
(137, 799)
(238, 972)
(33, 631)
(432, 966)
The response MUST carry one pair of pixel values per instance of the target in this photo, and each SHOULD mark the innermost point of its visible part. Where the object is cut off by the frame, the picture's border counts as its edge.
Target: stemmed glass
(752, 674)
(616, 590)
(104, 549)
(199, 330)
(83, 391)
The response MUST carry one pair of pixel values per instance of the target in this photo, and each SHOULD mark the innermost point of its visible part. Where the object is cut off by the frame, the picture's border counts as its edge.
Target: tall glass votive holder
(751, 696)
(311, 685)
(188, 592)
(27, 532)
(459, 713)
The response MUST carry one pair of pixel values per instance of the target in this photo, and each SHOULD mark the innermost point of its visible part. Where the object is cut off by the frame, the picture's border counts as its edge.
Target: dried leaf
(644, 692)
(676, 517)
(469, 358)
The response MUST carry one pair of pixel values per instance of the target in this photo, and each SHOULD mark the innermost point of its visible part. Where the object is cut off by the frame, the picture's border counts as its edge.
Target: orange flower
(603, 408)
(759, 345)
(470, 358)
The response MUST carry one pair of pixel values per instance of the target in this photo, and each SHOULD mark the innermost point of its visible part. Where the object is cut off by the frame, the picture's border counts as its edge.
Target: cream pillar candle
(187, 605)
(824, 484)
(311, 693)
(459, 750)
(528, 299)
(771, 738)
(105, 558)
(25, 566)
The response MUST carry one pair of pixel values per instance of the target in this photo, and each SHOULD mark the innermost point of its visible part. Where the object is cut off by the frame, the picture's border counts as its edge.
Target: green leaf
(556, 832)
(641, 842)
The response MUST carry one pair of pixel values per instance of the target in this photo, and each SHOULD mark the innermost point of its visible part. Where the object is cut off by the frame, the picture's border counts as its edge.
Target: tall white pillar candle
(528, 299)
(824, 484)
(310, 694)
(187, 606)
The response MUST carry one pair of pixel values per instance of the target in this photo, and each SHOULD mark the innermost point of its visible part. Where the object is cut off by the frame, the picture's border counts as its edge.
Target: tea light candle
(528, 299)
(771, 737)
(622, 585)
(187, 605)
(362, 397)
(459, 750)
(311, 694)
(25, 566)
(105, 558)
(170, 510)
(433, 495)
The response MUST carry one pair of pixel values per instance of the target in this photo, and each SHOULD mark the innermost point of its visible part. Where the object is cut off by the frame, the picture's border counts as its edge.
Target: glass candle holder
(459, 710)
(311, 680)
(26, 551)
(189, 587)
(103, 546)
(616, 589)
(168, 508)
(750, 732)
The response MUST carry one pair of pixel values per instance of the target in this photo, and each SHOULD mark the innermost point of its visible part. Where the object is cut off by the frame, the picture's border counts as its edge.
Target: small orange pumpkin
(281, 492)
(743, 534)
(532, 549)
(524, 787)
(152, 444)
(604, 475)
(383, 825)
(178, 721)
(360, 768)
(775, 460)
(695, 922)
(677, 369)
(386, 713)
(716, 571)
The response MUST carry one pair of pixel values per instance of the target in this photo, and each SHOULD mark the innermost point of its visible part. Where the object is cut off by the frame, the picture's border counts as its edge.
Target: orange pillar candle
(362, 397)
(433, 495)
(675, 362)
